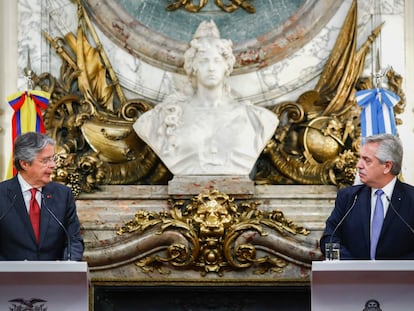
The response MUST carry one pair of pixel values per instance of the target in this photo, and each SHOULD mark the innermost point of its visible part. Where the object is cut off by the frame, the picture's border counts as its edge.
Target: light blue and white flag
(377, 115)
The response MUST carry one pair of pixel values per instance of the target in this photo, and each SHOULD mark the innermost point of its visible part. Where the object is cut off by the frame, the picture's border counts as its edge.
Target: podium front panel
(44, 285)
(362, 285)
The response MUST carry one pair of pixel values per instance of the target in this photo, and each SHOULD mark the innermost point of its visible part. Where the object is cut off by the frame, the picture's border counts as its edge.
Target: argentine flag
(377, 115)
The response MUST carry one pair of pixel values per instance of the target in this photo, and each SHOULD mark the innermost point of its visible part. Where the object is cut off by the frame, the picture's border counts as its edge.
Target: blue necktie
(377, 221)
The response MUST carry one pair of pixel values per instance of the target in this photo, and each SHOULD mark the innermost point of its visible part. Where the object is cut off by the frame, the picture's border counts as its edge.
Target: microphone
(329, 254)
(10, 207)
(69, 247)
(399, 215)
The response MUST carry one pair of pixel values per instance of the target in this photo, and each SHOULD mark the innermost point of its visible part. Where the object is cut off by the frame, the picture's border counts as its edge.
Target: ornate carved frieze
(139, 234)
(214, 234)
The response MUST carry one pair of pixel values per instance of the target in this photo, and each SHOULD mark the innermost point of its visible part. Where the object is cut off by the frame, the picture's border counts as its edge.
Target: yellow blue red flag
(27, 117)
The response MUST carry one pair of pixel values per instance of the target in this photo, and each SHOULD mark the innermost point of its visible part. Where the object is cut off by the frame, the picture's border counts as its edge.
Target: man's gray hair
(389, 149)
(27, 146)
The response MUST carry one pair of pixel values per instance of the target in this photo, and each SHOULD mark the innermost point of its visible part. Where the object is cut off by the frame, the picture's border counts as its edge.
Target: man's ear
(23, 164)
(388, 167)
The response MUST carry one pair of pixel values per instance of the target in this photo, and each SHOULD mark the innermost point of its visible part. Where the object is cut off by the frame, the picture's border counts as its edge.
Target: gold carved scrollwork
(91, 119)
(318, 138)
(232, 6)
(220, 235)
(316, 143)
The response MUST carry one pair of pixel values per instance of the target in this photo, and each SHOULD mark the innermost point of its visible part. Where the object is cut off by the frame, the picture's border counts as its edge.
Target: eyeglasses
(49, 160)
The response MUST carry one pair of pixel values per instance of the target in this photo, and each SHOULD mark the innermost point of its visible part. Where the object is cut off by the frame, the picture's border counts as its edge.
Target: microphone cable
(69, 246)
(329, 254)
(399, 215)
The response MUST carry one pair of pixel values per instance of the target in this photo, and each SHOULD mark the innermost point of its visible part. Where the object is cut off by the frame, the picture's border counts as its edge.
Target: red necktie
(35, 214)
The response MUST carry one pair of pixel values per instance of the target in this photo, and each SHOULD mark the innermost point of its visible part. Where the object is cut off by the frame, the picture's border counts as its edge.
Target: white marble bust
(207, 132)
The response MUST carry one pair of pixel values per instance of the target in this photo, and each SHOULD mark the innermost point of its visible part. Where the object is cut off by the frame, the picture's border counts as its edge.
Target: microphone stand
(69, 245)
(329, 254)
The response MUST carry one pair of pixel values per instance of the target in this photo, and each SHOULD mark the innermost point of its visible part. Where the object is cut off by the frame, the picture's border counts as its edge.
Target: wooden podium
(44, 285)
(362, 285)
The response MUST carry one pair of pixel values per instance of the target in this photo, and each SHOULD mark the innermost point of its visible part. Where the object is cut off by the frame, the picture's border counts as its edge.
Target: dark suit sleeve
(407, 256)
(73, 229)
(344, 201)
(397, 236)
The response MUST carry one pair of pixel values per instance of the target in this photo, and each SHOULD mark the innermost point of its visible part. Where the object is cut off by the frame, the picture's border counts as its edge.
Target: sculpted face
(213, 218)
(211, 67)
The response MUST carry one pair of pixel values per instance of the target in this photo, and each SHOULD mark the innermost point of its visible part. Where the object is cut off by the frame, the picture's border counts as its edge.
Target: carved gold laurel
(232, 5)
(217, 235)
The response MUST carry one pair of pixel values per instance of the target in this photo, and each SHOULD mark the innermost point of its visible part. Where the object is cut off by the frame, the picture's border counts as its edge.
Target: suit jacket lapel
(45, 214)
(15, 191)
(396, 202)
(365, 213)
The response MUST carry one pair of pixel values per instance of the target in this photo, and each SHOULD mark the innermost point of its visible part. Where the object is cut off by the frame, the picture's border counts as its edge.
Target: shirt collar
(388, 188)
(24, 184)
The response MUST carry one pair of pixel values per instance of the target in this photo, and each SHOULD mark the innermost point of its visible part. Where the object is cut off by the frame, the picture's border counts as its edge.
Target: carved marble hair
(207, 132)
(206, 35)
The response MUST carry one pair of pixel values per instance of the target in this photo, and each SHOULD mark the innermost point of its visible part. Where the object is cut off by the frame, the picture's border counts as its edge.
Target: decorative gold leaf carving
(194, 8)
(219, 235)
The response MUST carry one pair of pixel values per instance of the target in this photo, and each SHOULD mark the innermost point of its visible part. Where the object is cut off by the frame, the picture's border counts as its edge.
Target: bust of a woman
(207, 132)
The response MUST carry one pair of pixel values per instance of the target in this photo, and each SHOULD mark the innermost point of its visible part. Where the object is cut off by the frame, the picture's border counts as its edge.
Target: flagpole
(28, 72)
(377, 75)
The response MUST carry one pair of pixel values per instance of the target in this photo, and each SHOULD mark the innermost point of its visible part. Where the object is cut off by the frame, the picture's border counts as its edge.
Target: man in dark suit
(54, 234)
(351, 222)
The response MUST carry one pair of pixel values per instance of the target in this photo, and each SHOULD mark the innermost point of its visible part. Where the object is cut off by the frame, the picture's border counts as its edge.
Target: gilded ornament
(219, 235)
(194, 8)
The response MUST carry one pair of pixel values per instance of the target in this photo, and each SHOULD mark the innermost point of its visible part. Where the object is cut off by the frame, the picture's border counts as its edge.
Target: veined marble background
(282, 80)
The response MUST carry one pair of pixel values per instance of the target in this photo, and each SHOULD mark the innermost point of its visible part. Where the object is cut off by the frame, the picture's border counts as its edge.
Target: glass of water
(332, 251)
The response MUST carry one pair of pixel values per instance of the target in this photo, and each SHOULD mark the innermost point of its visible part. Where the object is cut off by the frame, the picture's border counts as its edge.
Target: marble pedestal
(239, 186)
